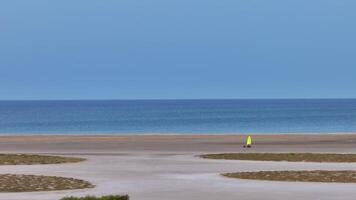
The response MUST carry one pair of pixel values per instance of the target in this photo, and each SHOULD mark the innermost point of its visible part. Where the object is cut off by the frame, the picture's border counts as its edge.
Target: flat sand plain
(165, 167)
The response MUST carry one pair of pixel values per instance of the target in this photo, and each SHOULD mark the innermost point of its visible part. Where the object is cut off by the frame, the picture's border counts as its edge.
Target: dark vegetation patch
(290, 157)
(31, 183)
(298, 176)
(28, 159)
(109, 197)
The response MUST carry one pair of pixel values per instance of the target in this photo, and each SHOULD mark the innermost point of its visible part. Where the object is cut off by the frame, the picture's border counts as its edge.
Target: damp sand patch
(289, 157)
(34, 183)
(31, 159)
(298, 176)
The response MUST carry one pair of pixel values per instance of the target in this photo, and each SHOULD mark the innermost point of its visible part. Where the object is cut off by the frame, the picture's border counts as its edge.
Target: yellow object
(249, 141)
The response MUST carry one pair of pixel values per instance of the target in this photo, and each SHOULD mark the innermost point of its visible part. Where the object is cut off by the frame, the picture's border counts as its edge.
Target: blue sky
(159, 49)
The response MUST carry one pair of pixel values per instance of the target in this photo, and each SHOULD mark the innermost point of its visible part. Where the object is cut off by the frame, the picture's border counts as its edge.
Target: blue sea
(178, 116)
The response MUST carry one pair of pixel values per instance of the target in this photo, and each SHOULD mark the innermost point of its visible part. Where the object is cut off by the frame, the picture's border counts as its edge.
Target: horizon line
(182, 99)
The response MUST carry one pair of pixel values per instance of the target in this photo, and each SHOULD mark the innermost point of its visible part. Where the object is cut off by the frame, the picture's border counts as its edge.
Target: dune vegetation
(290, 157)
(298, 176)
(30, 159)
(32, 183)
(109, 197)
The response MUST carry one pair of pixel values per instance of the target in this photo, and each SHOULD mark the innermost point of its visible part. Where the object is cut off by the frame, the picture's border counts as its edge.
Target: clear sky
(159, 49)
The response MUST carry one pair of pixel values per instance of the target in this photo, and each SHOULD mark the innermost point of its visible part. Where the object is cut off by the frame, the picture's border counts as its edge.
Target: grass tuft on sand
(29, 159)
(109, 197)
(290, 157)
(32, 183)
(298, 176)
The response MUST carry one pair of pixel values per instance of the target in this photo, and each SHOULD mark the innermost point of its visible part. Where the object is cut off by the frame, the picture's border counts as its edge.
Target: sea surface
(178, 116)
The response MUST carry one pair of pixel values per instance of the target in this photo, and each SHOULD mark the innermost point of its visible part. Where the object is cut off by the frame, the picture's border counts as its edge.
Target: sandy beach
(166, 167)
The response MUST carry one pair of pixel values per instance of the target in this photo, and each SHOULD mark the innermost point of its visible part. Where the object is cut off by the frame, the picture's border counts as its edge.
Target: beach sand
(166, 167)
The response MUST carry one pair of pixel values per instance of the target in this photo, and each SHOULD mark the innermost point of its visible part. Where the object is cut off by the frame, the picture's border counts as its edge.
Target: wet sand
(177, 143)
(165, 167)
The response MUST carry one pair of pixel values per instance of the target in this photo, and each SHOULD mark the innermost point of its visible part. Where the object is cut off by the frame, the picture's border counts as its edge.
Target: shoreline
(179, 136)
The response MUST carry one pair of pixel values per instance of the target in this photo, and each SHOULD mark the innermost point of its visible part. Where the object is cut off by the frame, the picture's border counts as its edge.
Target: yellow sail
(249, 140)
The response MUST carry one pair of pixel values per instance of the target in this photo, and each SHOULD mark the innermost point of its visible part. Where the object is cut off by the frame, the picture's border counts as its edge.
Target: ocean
(178, 116)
